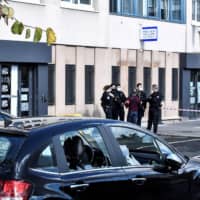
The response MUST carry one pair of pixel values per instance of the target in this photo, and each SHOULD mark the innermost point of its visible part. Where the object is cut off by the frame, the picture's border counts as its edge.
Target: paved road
(185, 136)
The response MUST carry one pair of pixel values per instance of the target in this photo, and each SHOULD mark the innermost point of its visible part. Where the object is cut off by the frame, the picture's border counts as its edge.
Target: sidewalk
(187, 128)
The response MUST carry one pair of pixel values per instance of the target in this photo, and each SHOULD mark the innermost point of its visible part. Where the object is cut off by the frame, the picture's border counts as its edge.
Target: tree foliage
(18, 28)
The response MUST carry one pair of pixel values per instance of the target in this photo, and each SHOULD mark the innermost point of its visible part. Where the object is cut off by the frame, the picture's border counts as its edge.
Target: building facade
(100, 42)
(190, 65)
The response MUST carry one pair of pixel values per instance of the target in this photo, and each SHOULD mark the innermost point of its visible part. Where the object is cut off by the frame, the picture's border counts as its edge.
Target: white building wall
(114, 40)
(95, 28)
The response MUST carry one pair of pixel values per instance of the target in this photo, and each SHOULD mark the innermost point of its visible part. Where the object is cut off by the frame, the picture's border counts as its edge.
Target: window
(152, 8)
(196, 10)
(85, 149)
(29, 1)
(164, 9)
(86, 2)
(174, 84)
(147, 80)
(51, 84)
(115, 74)
(169, 10)
(115, 6)
(161, 81)
(128, 7)
(147, 8)
(89, 84)
(137, 147)
(70, 84)
(131, 79)
(4, 148)
(176, 10)
(46, 160)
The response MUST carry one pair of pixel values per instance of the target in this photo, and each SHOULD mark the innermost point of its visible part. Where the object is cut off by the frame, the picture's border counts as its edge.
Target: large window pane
(115, 74)
(147, 80)
(70, 84)
(176, 10)
(193, 9)
(198, 10)
(131, 79)
(51, 84)
(152, 8)
(161, 79)
(115, 6)
(164, 7)
(88, 2)
(174, 84)
(128, 7)
(89, 84)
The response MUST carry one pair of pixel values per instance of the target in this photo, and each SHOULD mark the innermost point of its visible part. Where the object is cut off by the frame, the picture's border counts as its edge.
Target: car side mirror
(173, 161)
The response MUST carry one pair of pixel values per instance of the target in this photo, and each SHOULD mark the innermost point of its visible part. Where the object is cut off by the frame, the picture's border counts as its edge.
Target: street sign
(149, 33)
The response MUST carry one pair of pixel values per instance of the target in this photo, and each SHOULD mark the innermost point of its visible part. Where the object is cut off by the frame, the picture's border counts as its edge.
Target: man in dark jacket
(154, 108)
(118, 102)
(107, 101)
(142, 97)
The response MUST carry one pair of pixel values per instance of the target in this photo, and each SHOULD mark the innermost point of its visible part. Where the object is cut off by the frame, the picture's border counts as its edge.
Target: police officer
(142, 106)
(107, 101)
(154, 108)
(118, 102)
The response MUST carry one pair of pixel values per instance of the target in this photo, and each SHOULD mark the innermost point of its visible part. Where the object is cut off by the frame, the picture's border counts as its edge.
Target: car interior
(81, 155)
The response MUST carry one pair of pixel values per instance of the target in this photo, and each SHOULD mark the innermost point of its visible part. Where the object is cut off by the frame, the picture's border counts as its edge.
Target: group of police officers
(114, 100)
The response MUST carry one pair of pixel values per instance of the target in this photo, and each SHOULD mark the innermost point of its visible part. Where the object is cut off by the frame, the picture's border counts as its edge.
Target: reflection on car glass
(4, 148)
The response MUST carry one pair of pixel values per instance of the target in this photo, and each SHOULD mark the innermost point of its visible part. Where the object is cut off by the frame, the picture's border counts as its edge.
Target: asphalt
(183, 135)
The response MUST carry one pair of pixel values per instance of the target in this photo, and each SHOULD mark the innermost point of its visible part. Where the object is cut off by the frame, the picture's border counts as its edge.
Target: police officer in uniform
(107, 101)
(142, 106)
(154, 108)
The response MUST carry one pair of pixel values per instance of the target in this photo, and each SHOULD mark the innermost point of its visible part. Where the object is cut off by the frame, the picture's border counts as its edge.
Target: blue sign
(149, 33)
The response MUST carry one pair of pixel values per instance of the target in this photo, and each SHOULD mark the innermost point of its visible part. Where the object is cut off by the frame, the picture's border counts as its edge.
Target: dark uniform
(154, 109)
(142, 106)
(106, 103)
(118, 105)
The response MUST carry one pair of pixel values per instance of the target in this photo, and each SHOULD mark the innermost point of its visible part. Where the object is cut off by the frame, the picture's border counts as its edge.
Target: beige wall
(103, 59)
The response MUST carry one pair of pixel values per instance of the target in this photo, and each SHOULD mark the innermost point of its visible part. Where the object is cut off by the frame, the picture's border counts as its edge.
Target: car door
(96, 177)
(145, 168)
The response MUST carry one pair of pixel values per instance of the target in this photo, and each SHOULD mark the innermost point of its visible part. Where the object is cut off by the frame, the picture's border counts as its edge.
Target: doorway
(195, 93)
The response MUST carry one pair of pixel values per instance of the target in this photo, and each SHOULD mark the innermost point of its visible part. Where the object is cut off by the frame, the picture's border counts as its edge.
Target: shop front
(190, 85)
(24, 78)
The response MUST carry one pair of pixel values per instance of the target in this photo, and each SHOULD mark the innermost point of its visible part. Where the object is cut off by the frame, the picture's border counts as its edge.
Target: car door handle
(79, 186)
(139, 181)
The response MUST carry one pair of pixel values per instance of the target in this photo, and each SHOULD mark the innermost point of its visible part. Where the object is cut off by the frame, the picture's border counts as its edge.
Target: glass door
(195, 94)
(25, 90)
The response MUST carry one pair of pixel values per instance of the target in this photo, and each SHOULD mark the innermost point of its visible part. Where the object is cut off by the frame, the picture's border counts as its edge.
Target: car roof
(42, 124)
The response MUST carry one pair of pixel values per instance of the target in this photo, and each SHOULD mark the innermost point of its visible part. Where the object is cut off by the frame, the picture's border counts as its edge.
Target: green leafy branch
(18, 28)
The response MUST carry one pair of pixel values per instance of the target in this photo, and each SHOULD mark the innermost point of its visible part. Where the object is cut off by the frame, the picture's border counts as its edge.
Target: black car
(93, 159)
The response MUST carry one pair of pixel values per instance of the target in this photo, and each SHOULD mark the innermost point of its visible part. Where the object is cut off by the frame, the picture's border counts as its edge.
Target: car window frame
(108, 141)
(37, 153)
(150, 134)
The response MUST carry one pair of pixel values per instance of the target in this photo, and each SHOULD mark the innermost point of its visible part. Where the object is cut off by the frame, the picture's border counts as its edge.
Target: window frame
(80, 6)
(147, 86)
(175, 95)
(28, 1)
(89, 87)
(162, 81)
(156, 139)
(195, 12)
(139, 11)
(70, 99)
(51, 90)
(132, 70)
(116, 71)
